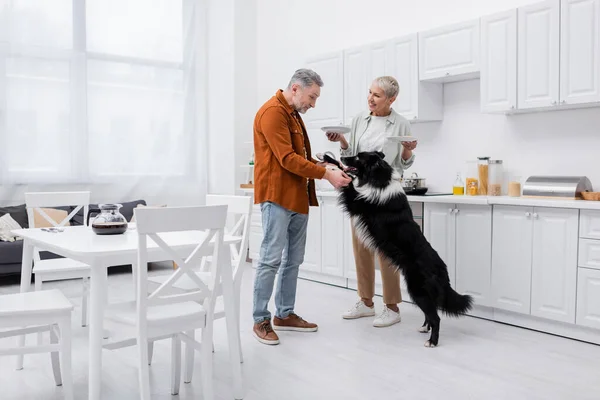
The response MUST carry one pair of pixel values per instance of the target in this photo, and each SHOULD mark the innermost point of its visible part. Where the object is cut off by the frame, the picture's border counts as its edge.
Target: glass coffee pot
(110, 221)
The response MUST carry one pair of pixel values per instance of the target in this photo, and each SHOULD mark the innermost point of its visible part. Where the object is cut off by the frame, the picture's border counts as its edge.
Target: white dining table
(80, 243)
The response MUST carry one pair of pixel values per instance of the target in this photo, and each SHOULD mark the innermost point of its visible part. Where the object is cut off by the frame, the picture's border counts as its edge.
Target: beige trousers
(365, 274)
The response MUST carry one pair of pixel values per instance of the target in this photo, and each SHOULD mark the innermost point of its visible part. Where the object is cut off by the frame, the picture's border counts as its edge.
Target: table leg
(233, 330)
(25, 286)
(98, 294)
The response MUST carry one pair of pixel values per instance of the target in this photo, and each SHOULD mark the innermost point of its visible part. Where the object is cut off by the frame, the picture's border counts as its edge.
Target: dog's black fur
(379, 208)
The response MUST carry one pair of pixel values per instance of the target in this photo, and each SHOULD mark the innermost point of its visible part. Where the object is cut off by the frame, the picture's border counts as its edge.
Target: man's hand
(337, 177)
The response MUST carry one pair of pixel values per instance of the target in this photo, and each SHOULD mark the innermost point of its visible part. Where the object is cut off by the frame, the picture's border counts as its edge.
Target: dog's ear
(380, 154)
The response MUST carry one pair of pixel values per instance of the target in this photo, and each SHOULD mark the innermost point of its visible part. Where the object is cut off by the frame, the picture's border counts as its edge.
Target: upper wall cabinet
(361, 66)
(450, 53)
(538, 55)
(553, 47)
(330, 105)
(579, 51)
(499, 62)
(416, 101)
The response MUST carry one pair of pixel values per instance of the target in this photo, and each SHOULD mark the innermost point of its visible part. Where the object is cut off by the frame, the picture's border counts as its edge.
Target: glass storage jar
(472, 179)
(514, 186)
(483, 173)
(110, 221)
(496, 177)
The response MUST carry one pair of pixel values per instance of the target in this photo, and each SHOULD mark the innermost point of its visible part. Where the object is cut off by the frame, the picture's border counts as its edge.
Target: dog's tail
(455, 305)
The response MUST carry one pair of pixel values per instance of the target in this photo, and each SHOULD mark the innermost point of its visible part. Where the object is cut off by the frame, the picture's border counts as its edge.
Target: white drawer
(589, 224)
(588, 298)
(589, 253)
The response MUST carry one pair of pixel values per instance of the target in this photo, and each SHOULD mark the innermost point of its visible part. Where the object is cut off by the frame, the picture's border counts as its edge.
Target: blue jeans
(282, 249)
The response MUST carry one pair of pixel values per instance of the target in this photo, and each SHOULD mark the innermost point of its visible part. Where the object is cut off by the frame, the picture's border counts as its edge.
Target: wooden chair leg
(175, 365)
(143, 369)
(55, 357)
(188, 370)
(38, 287)
(65, 358)
(84, 301)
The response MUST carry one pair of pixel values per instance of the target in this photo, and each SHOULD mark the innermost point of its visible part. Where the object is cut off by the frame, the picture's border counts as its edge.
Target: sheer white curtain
(102, 93)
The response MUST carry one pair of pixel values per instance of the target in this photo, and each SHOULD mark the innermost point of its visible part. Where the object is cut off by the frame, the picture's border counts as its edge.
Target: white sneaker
(386, 318)
(359, 310)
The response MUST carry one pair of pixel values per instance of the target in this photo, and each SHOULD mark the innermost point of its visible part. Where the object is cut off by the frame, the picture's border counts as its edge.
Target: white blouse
(374, 137)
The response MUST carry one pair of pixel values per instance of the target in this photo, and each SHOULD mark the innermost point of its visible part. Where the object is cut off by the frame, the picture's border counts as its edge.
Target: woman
(368, 133)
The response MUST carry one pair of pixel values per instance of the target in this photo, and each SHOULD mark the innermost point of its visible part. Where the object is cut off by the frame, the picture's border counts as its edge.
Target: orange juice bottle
(459, 188)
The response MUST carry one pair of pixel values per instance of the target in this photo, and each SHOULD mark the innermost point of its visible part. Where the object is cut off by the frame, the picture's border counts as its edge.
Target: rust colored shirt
(284, 170)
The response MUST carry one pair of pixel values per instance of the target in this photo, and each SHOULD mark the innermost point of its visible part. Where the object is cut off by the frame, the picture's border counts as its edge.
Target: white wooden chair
(59, 268)
(41, 311)
(163, 314)
(239, 210)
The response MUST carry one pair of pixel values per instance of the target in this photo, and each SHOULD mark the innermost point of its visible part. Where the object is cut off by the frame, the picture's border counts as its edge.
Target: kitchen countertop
(488, 200)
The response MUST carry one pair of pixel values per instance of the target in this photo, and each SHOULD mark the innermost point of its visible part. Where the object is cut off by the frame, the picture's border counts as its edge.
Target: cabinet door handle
(527, 214)
(535, 215)
(456, 210)
(450, 210)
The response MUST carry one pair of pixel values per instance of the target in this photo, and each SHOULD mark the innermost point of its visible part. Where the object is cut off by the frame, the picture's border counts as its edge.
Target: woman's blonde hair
(389, 85)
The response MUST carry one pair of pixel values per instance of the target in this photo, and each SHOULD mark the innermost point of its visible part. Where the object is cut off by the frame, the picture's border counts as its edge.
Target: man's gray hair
(305, 78)
(389, 85)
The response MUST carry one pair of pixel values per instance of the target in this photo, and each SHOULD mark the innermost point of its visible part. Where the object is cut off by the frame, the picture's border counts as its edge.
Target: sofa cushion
(11, 252)
(54, 213)
(19, 214)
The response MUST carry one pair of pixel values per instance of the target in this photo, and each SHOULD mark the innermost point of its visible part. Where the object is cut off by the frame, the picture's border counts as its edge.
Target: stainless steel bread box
(563, 187)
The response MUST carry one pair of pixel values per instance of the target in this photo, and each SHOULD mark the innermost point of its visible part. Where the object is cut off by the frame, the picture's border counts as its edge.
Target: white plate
(402, 139)
(337, 129)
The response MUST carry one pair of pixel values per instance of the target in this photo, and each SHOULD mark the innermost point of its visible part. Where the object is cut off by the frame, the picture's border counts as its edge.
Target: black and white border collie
(377, 204)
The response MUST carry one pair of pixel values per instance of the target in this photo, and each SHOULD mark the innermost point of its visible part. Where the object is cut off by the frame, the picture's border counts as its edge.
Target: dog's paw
(429, 344)
(424, 329)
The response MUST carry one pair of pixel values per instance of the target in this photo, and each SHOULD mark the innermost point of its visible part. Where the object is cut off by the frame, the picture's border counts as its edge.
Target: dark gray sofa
(11, 253)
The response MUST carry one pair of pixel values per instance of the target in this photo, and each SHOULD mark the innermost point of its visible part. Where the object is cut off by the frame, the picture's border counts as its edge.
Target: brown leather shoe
(263, 332)
(293, 323)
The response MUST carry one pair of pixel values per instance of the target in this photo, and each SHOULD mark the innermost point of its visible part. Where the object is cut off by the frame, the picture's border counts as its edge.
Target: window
(91, 90)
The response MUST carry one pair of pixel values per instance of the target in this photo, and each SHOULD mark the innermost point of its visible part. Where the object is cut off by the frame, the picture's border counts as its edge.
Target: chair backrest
(35, 201)
(208, 225)
(240, 207)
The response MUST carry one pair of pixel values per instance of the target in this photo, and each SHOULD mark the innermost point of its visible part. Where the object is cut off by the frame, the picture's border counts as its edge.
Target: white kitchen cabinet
(450, 53)
(498, 87)
(538, 55)
(588, 298)
(417, 101)
(256, 233)
(332, 255)
(329, 109)
(356, 87)
(439, 228)
(511, 258)
(579, 51)
(474, 252)
(361, 66)
(554, 263)
(589, 227)
(534, 261)
(462, 236)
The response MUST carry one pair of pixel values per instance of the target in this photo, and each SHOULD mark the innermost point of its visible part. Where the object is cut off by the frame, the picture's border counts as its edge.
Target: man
(284, 174)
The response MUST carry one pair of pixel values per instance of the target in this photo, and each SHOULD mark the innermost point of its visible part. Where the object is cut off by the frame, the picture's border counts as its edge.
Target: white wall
(231, 92)
(563, 142)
